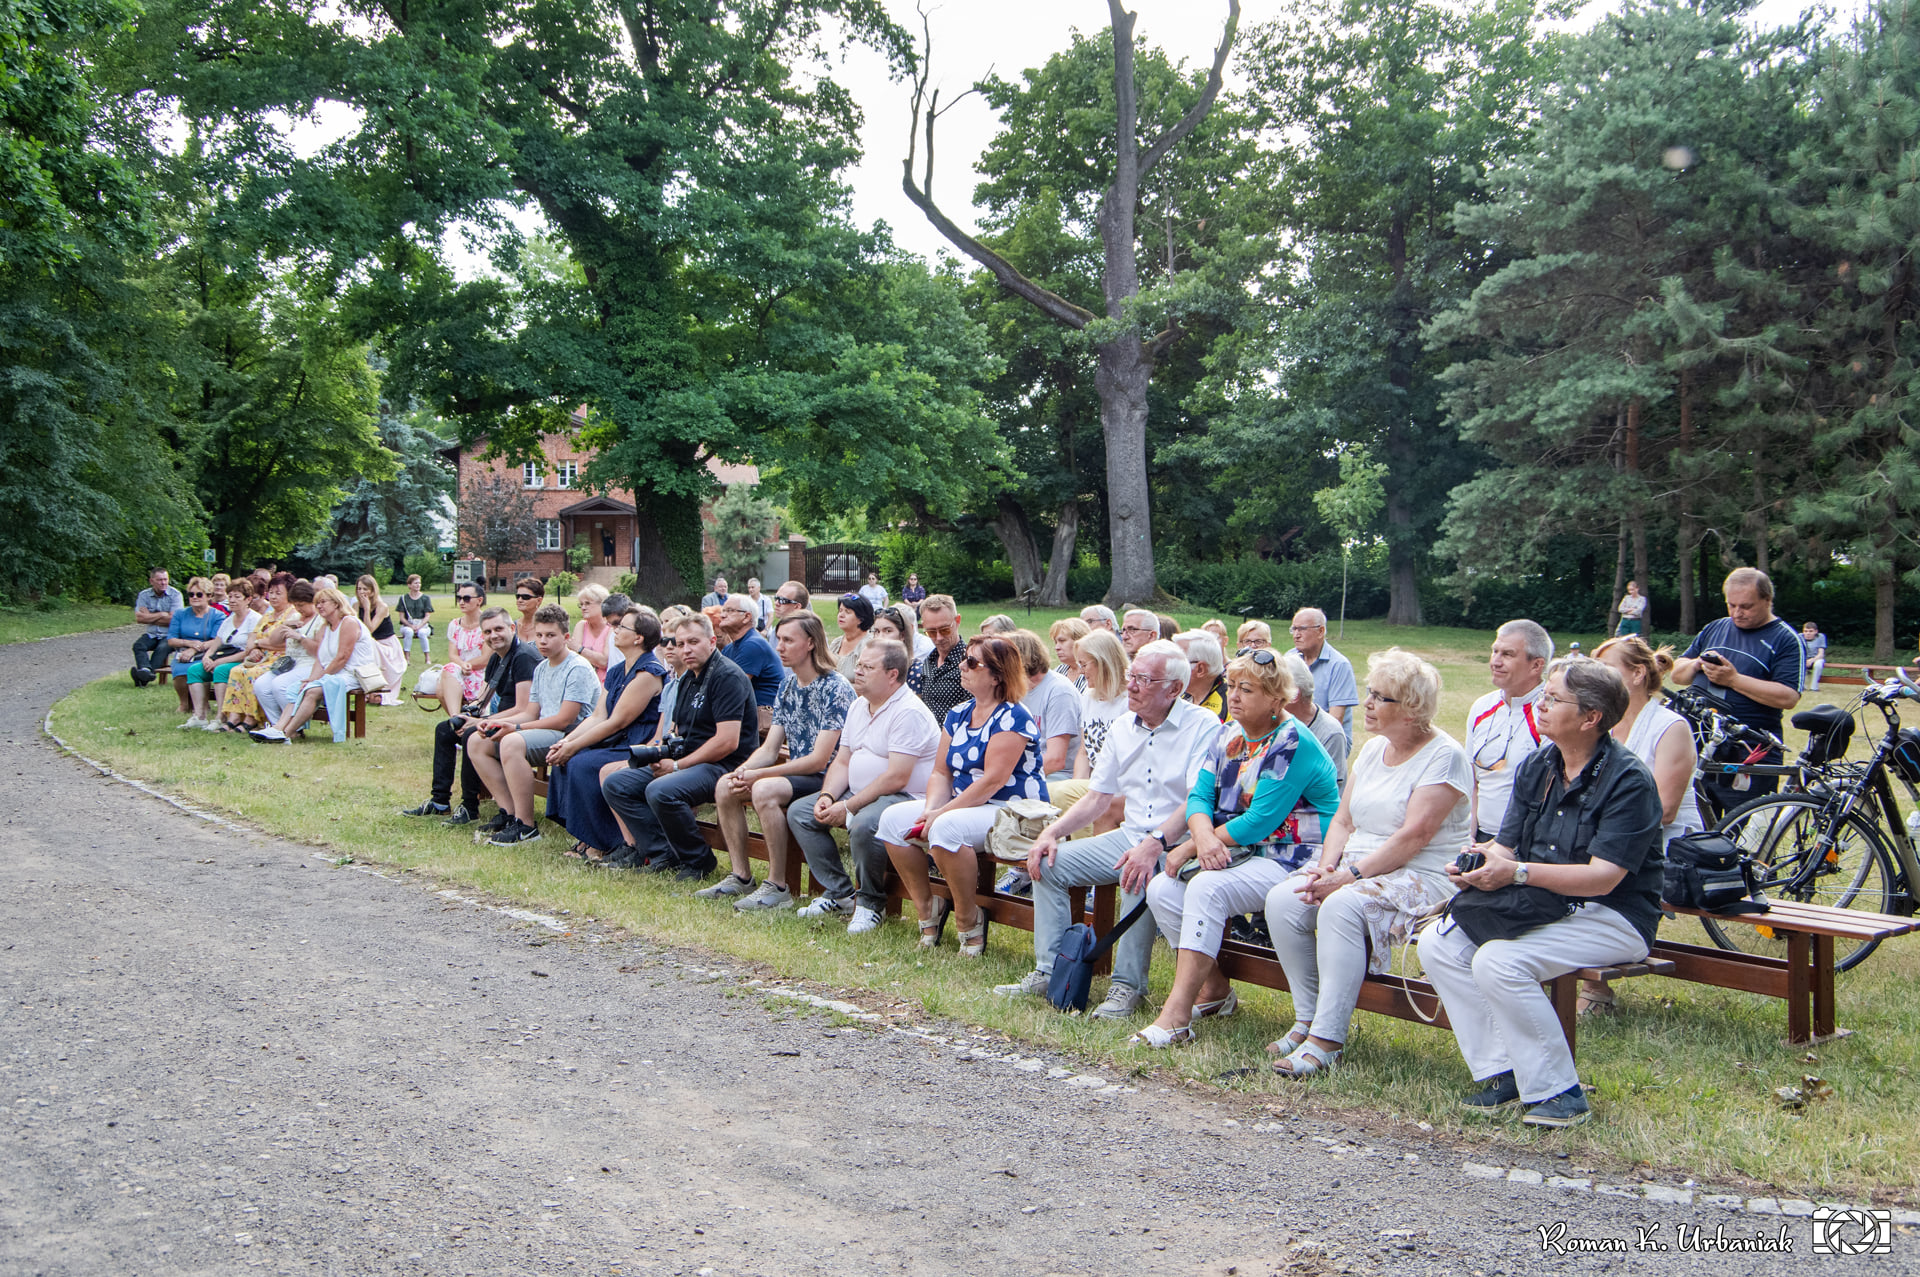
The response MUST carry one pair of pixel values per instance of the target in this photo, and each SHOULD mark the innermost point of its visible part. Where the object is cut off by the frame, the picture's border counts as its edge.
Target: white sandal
(1219, 1008)
(930, 928)
(1160, 1039)
(1307, 1060)
(1295, 1039)
(973, 941)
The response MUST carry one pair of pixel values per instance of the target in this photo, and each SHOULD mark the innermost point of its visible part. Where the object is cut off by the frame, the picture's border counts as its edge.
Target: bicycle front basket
(1906, 755)
(1829, 731)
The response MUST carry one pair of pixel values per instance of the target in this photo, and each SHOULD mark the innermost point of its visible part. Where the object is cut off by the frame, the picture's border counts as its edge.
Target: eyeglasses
(1380, 696)
(1548, 700)
(1304, 629)
(196, 594)
(1137, 629)
(1141, 680)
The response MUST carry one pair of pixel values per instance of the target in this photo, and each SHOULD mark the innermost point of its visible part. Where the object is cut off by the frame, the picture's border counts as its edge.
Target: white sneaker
(1032, 985)
(826, 907)
(726, 887)
(194, 724)
(211, 725)
(864, 920)
(1121, 1003)
(768, 897)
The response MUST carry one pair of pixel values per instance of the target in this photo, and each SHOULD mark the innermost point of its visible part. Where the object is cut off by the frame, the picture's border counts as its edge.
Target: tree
(90, 493)
(385, 520)
(498, 520)
(1383, 113)
(1636, 345)
(1350, 508)
(1127, 357)
(743, 523)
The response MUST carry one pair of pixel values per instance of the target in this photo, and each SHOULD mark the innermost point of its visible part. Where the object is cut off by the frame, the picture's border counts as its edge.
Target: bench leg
(1564, 990)
(1104, 909)
(1822, 974)
(1799, 987)
(357, 711)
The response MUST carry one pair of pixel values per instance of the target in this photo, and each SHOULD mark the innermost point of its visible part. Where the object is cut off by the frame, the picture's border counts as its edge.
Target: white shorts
(966, 827)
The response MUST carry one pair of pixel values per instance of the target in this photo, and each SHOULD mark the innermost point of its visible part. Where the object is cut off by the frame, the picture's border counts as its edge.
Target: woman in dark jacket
(628, 713)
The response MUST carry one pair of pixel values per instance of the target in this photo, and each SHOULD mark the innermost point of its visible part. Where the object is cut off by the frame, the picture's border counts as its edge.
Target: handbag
(1711, 872)
(1079, 953)
(1015, 827)
(1507, 913)
(1238, 856)
(370, 677)
(281, 666)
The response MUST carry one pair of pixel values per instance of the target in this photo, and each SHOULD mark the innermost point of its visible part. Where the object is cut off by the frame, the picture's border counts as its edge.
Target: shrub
(561, 585)
(1279, 588)
(627, 583)
(431, 569)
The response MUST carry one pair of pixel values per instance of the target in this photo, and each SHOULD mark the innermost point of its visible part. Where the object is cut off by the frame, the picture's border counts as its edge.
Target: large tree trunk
(1619, 578)
(1403, 578)
(1884, 586)
(1066, 536)
(1016, 534)
(1687, 532)
(658, 582)
(1122, 380)
(1637, 515)
(1761, 558)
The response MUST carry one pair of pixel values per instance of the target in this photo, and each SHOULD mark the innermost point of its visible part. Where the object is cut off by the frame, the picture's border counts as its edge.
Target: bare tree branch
(1191, 120)
(921, 194)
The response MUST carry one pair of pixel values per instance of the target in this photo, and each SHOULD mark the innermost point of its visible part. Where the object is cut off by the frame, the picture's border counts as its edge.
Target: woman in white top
(1402, 819)
(1663, 741)
(298, 636)
(345, 645)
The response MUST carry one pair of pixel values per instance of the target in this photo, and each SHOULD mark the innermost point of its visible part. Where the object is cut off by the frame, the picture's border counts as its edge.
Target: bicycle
(1716, 733)
(1839, 839)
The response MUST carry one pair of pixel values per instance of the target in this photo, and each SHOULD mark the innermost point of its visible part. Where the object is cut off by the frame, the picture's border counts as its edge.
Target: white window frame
(549, 534)
(567, 473)
(530, 475)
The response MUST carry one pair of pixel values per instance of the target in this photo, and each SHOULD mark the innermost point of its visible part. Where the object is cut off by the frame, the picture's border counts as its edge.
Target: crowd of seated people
(1207, 788)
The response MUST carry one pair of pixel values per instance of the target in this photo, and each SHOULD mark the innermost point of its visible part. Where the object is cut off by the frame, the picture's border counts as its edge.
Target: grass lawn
(1685, 1075)
(58, 616)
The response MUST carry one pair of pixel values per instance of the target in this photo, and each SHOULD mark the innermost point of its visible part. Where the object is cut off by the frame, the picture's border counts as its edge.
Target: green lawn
(58, 616)
(1685, 1075)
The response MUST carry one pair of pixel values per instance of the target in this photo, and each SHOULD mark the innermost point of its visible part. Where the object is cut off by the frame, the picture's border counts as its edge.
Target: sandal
(1219, 1008)
(1595, 1001)
(930, 928)
(973, 941)
(1307, 1060)
(576, 852)
(1295, 1039)
(1159, 1039)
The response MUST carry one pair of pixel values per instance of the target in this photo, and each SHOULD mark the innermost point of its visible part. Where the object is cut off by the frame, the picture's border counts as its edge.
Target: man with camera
(1754, 661)
(508, 688)
(715, 728)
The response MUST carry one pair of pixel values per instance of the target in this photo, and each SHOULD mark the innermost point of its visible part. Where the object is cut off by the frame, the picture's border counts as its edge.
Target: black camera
(674, 747)
(1468, 861)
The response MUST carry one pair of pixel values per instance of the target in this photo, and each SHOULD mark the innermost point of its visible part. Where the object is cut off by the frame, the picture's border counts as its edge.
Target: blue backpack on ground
(1079, 954)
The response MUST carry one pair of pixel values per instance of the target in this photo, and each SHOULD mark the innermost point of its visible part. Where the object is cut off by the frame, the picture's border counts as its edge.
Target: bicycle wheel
(1783, 834)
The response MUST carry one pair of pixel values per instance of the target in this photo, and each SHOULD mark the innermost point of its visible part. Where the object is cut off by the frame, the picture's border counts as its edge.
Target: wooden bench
(356, 713)
(1804, 978)
(1848, 674)
(1395, 995)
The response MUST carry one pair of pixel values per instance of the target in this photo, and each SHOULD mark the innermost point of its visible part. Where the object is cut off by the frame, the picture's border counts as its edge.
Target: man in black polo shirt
(714, 713)
(1755, 660)
(939, 685)
(509, 687)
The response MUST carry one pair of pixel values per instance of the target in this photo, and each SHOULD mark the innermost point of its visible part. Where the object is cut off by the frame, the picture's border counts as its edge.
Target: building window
(530, 475)
(548, 535)
(569, 471)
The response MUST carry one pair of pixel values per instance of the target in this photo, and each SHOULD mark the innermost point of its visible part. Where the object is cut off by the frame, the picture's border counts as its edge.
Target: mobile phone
(1713, 658)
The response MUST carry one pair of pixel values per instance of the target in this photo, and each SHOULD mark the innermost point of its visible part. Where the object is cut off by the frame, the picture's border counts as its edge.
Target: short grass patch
(1685, 1075)
(54, 617)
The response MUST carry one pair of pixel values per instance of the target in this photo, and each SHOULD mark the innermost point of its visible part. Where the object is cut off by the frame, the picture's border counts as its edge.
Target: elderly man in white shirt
(1501, 728)
(885, 756)
(1151, 757)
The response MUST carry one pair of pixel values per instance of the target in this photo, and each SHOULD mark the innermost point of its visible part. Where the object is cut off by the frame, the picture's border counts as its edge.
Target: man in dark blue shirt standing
(1755, 660)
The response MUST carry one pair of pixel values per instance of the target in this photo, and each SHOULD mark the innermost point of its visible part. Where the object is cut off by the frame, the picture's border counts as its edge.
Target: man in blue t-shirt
(1755, 660)
(752, 653)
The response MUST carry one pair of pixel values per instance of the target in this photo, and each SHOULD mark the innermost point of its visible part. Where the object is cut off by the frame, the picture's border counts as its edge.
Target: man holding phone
(1755, 661)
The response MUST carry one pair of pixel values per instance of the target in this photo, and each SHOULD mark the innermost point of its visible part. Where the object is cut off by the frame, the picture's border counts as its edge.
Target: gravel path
(222, 1054)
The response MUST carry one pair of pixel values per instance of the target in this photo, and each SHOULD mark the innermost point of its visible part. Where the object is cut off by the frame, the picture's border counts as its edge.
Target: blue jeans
(1088, 862)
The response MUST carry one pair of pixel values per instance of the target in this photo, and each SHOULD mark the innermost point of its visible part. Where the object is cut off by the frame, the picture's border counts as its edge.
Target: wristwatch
(1162, 840)
(1520, 872)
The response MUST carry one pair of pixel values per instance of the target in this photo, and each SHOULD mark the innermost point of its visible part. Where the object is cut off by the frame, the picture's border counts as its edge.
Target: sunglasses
(783, 599)
(669, 642)
(526, 598)
(849, 598)
(973, 663)
(1259, 655)
(196, 594)
(466, 598)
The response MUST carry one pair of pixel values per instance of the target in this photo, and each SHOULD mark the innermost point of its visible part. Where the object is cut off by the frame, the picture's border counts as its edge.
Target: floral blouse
(804, 712)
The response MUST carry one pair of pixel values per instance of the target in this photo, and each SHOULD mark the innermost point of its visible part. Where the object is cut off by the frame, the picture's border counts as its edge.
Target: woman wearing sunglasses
(1401, 822)
(464, 676)
(989, 755)
(192, 633)
(1258, 811)
(529, 594)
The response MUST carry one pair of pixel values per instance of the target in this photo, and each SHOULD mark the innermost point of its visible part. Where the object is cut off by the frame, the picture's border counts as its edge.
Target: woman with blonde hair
(1401, 822)
(239, 707)
(1064, 634)
(343, 646)
(301, 637)
(1268, 787)
(593, 637)
(377, 618)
